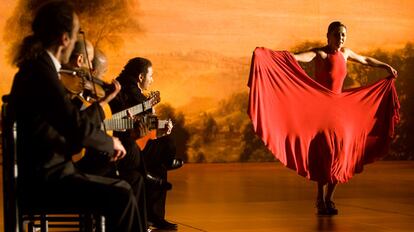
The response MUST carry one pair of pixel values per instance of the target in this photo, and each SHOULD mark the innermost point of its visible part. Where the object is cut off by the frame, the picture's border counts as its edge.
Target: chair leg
(100, 224)
(88, 222)
(82, 218)
(44, 224)
(91, 223)
(30, 226)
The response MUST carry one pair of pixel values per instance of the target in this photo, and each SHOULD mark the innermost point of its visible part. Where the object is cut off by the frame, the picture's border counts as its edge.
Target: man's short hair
(52, 20)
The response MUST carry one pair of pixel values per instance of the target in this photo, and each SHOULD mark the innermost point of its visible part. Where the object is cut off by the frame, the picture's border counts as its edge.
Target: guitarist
(93, 162)
(159, 154)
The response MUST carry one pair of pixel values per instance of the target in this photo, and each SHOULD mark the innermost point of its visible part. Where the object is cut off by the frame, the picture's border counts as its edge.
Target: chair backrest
(9, 135)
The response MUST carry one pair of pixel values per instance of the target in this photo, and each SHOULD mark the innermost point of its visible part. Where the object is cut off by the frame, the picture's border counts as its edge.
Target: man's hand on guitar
(166, 130)
(119, 149)
(112, 95)
(140, 128)
(169, 126)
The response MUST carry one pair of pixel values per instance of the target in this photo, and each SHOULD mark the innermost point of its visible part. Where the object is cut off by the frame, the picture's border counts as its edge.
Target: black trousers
(111, 197)
(158, 155)
(130, 168)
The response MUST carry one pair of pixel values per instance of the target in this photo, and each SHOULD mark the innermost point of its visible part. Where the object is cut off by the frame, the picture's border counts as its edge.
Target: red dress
(313, 127)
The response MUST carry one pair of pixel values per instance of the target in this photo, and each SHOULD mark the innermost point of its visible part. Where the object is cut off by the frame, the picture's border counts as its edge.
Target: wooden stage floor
(262, 197)
(269, 197)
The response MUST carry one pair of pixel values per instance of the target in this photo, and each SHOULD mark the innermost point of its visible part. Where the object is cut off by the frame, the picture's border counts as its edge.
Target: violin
(76, 81)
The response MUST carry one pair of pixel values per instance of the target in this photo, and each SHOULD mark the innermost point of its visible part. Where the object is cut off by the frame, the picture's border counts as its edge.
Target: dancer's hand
(392, 71)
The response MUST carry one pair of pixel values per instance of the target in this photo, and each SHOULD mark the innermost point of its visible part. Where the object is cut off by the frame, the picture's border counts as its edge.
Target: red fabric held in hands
(313, 127)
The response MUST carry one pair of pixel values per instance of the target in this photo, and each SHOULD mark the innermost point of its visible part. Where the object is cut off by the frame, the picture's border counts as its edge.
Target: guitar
(153, 124)
(119, 121)
(154, 98)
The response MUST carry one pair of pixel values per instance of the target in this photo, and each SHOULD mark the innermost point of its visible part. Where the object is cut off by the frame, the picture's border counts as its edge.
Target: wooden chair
(17, 219)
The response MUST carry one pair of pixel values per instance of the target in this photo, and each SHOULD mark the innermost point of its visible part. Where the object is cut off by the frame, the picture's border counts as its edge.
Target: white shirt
(55, 61)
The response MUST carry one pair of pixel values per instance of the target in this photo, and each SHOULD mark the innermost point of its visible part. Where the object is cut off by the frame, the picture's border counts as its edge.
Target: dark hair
(334, 25)
(133, 68)
(50, 22)
(81, 47)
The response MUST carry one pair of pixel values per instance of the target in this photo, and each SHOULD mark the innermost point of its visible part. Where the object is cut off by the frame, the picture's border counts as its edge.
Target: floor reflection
(326, 223)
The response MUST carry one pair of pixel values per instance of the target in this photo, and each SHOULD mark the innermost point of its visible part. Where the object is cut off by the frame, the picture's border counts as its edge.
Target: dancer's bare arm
(366, 60)
(305, 57)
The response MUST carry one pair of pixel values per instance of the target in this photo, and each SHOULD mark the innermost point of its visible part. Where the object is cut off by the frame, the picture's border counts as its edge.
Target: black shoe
(321, 207)
(175, 164)
(163, 224)
(330, 208)
(163, 184)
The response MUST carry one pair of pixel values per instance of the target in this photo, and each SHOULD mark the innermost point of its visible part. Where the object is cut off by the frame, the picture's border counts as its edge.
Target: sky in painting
(232, 29)
(235, 27)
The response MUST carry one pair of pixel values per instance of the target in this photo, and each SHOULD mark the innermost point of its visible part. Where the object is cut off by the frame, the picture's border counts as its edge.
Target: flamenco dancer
(313, 126)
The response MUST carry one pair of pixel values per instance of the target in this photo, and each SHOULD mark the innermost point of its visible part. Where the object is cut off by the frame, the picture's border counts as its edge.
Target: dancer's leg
(330, 189)
(330, 206)
(320, 204)
(320, 191)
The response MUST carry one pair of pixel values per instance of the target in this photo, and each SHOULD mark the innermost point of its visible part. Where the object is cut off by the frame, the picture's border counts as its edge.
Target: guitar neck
(154, 123)
(162, 124)
(137, 109)
(118, 124)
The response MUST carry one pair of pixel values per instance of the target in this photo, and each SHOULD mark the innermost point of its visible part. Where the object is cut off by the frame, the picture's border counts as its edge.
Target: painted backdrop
(201, 54)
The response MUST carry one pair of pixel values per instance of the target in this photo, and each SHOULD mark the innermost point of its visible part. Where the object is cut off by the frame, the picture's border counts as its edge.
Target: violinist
(99, 64)
(82, 55)
(50, 129)
(130, 167)
(78, 78)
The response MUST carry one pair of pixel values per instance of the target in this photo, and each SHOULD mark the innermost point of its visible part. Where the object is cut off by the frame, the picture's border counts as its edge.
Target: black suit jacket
(130, 95)
(50, 129)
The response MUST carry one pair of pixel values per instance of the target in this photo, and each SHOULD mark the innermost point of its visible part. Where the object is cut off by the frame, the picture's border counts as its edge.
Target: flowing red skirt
(322, 135)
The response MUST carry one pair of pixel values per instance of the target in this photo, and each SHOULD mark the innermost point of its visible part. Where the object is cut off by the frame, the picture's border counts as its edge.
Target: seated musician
(99, 64)
(50, 129)
(80, 61)
(159, 154)
(82, 55)
(129, 168)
